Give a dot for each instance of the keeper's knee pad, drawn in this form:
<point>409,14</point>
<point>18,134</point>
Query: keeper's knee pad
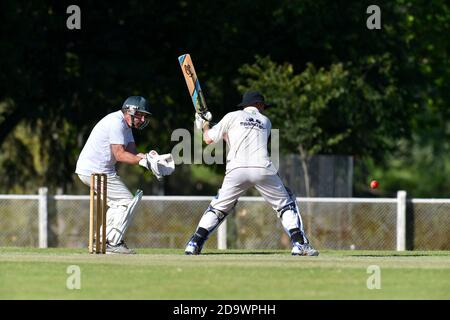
<point>135,201</point>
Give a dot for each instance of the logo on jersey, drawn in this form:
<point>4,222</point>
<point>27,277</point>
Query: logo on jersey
<point>251,123</point>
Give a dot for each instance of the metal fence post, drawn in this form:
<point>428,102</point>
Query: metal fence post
<point>43,217</point>
<point>401,220</point>
<point>222,236</point>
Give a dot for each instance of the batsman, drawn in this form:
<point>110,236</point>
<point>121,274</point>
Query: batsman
<point>246,133</point>
<point>112,141</point>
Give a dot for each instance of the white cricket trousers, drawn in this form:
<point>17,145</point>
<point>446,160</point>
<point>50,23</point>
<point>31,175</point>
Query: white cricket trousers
<point>238,180</point>
<point>118,215</point>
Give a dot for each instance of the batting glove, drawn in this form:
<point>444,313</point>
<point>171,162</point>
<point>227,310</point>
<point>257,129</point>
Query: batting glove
<point>200,123</point>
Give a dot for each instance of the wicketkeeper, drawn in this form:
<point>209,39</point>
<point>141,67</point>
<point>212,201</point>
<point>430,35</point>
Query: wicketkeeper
<point>112,141</point>
<point>248,165</point>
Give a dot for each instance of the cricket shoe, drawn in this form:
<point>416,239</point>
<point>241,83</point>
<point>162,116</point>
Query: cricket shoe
<point>192,248</point>
<point>120,248</point>
<point>303,250</point>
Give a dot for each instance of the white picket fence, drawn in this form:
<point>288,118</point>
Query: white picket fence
<point>198,203</point>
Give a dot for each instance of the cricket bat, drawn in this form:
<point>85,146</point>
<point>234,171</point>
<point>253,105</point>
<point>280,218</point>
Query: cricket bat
<point>195,91</point>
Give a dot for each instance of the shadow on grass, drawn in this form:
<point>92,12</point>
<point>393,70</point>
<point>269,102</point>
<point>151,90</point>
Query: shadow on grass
<point>391,255</point>
<point>241,253</point>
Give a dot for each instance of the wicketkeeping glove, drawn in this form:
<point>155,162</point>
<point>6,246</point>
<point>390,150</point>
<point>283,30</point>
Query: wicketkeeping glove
<point>160,165</point>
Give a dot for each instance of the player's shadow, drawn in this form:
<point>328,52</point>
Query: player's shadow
<point>389,255</point>
<point>240,253</point>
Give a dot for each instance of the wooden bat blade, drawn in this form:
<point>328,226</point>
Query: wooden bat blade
<point>195,91</point>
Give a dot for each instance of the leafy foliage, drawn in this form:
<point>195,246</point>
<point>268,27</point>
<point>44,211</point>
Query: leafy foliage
<point>356,91</point>
<point>334,110</point>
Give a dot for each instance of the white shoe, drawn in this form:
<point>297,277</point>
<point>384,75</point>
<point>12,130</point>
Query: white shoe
<point>303,250</point>
<point>192,248</point>
<point>120,248</point>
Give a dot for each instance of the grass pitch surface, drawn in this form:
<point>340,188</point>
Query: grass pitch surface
<point>166,274</point>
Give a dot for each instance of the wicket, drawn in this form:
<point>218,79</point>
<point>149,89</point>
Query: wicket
<point>98,196</point>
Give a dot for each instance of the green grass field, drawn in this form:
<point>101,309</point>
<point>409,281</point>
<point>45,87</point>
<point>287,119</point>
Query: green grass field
<point>29,273</point>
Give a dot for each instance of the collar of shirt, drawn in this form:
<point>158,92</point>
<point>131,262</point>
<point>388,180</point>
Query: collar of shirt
<point>250,109</point>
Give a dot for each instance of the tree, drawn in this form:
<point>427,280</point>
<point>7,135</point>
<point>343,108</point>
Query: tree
<point>56,83</point>
<point>343,109</point>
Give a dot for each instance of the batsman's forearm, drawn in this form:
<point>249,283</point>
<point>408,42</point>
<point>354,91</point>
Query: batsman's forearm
<point>206,137</point>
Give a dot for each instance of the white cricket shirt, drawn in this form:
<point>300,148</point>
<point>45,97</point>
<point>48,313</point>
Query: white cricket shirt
<point>246,133</point>
<point>97,156</point>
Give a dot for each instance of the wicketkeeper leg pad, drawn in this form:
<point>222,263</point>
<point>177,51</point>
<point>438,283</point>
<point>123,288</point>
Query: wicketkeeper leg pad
<point>116,229</point>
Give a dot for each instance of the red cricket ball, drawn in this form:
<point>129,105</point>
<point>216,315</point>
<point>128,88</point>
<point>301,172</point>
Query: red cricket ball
<point>374,184</point>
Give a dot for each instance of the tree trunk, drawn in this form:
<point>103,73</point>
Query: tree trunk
<point>304,158</point>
